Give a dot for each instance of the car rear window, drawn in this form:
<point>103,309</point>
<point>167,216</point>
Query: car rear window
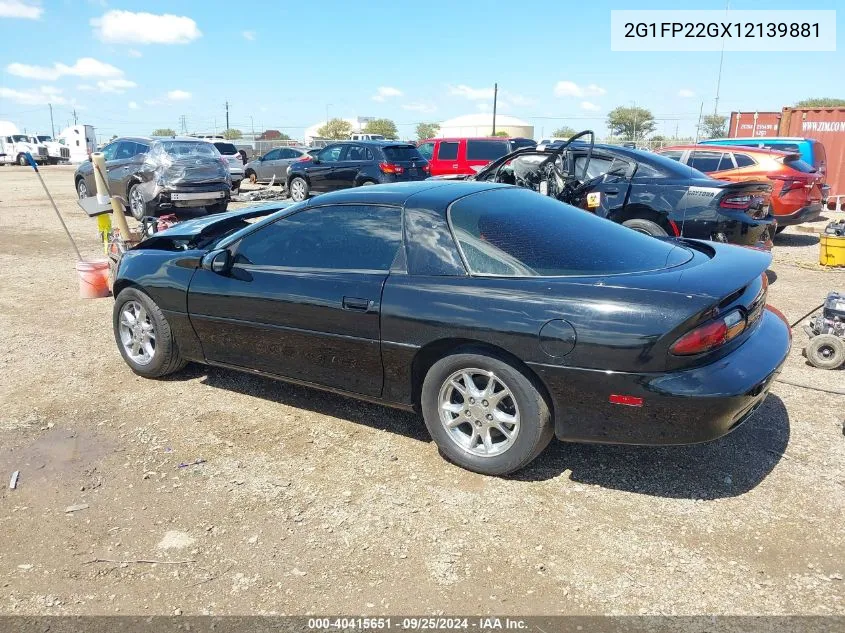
<point>744,160</point>
<point>486,150</point>
<point>226,148</point>
<point>401,153</point>
<point>513,232</point>
<point>187,148</point>
<point>782,147</point>
<point>796,163</point>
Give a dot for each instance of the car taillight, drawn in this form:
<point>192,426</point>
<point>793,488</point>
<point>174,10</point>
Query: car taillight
<point>710,335</point>
<point>790,183</point>
<point>391,168</point>
<point>305,159</point>
<point>426,168</point>
<point>736,201</point>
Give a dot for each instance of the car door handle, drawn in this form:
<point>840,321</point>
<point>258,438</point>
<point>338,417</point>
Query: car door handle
<point>455,166</point>
<point>611,192</point>
<point>357,304</point>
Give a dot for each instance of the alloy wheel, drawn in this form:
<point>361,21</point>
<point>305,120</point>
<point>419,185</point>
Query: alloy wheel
<point>297,190</point>
<point>137,333</point>
<point>82,189</point>
<point>479,412</point>
<point>136,203</point>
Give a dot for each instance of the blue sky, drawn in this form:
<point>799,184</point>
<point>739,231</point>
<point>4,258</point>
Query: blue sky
<point>279,65</point>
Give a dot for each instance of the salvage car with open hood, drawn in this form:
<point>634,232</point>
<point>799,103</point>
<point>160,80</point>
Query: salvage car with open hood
<point>641,190</point>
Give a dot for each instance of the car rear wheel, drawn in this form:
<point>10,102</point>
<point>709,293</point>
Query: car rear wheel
<point>143,335</point>
<point>484,414</point>
<point>646,226</point>
<point>368,182</point>
<point>298,189</point>
<point>81,189</point>
<point>253,177</point>
<point>137,204</point>
<point>826,351</point>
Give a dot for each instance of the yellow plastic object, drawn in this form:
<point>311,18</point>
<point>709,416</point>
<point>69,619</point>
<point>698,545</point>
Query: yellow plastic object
<point>832,250</point>
<point>104,229</point>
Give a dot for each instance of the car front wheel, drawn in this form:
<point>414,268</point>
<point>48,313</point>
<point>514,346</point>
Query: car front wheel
<point>137,204</point>
<point>82,189</point>
<point>298,189</point>
<point>484,414</point>
<point>143,335</point>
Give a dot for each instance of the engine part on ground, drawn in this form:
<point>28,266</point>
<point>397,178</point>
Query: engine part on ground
<point>826,349</point>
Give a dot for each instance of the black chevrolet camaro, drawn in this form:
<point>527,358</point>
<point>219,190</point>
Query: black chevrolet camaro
<point>503,316</point>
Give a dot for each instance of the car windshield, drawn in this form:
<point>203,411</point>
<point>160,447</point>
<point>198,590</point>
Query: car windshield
<point>44,139</point>
<point>20,138</point>
<point>513,232</point>
<point>188,148</point>
<point>226,148</point>
<point>401,152</point>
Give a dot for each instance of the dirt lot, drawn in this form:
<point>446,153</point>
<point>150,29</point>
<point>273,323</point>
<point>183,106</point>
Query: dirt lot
<point>312,503</point>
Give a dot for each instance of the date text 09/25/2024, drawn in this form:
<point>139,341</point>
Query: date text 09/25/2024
<point>431,623</point>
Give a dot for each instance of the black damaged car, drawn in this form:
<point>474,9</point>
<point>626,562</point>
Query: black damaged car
<point>504,317</point>
<point>641,190</point>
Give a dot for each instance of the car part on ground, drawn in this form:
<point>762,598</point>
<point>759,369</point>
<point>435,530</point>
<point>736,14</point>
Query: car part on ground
<point>353,164</point>
<point>651,193</point>
<point>796,186</point>
<point>826,348</point>
<point>501,315</point>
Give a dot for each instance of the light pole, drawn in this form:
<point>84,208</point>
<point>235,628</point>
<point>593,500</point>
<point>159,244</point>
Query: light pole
<point>327,111</point>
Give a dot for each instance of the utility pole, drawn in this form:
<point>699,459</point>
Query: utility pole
<point>183,123</point>
<point>52,125</point>
<point>721,59</point>
<point>495,98</point>
<point>252,125</point>
<point>635,121</point>
<point>227,115</point>
<point>75,122</point>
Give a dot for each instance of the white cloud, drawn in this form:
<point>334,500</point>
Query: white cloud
<point>468,92</point>
<point>249,35</point>
<point>425,108</point>
<point>592,107</point>
<point>519,100</point>
<point>84,67</point>
<point>686,93</point>
<point>178,95</point>
<point>19,9</point>
<point>484,107</point>
<point>133,52</point>
<point>116,85</point>
<point>133,105</point>
<point>46,94</point>
<point>571,89</point>
<point>386,92</point>
<point>145,28</point>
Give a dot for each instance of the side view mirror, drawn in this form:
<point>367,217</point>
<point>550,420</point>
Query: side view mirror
<point>219,261</point>
<point>315,160</point>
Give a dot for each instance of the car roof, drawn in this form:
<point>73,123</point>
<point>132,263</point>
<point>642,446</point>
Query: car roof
<point>136,139</point>
<point>761,139</point>
<point>368,141</point>
<point>743,148</point>
<point>452,139</point>
<point>438,193</point>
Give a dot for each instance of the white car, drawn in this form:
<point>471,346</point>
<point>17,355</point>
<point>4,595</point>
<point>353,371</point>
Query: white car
<point>233,157</point>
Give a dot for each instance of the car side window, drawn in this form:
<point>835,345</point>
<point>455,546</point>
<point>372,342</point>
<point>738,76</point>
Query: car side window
<point>744,160</point>
<point>273,154</point>
<point>109,151</point>
<point>426,150</point>
<point>707,161</point>
<point>340,237</point>
<point>125,149</point>
<point>368,154</point>
<point>330,154</point>
<point>673,154</point>
<point>356,152</point>
<point>447,151</point>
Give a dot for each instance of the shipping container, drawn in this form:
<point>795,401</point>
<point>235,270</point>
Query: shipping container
<point>826,125</point>
<point>754,124</point>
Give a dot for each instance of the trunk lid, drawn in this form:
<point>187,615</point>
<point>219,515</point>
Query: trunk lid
<point>193,170</point>
<point>405,163</point>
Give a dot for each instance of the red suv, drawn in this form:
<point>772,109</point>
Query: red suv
<point>462,156</point>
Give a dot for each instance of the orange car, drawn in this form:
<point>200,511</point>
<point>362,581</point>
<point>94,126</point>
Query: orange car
<point>796,185</point>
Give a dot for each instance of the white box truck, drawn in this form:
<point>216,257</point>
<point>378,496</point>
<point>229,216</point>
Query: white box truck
<point>80,140</point>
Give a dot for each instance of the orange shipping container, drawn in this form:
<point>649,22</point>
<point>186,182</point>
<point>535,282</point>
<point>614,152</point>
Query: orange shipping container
<point>754,124</point>
<point>826,125</point>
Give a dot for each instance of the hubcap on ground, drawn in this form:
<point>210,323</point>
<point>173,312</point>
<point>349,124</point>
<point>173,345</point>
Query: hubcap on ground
<point>137,333</point>
<point>479,412</point>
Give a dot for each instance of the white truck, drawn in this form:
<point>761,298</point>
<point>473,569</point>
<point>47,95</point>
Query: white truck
<point>80,140</point>
<point>14,147</point>
<point>56,150</point>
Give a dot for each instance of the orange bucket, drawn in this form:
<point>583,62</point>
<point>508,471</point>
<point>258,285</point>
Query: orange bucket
<point>93,278</point>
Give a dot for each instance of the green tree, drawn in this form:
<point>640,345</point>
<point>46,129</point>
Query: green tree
<point>630,123</point>
<point>335,129</point>
<point>427,130</point>
<point>820,102</point>
<point>164,131</point>
<point>714,126</point>
<point>385,127</point>
<point>502,133</point>
<point>563,132</point>
<point>232,134</point>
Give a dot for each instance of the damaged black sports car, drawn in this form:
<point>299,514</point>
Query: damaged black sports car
<point>641,190</point>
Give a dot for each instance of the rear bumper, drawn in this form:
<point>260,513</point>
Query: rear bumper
<point>199,196</point>
<point>810,213</point>
<point>732,228</point>
<point>684,407</point>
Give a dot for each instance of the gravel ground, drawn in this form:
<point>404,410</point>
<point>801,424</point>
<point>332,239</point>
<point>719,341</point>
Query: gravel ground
<point>312,503</point>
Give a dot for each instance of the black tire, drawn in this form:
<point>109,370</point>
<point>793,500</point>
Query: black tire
<point>138,207</point>
<point>780,229</point>
<point>366,183</point>
<point>826,351</point>
<point>165,358</point>
<point>646,226</point>
<point>535,425</point>
<point>298,189</point>
<point>82,189</point>
<point>22,160</point>
<point>236,186</point>
<point>220,207</point>
<point>251,176</point>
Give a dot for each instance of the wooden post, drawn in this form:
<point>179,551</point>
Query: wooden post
<point>103,196</point>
